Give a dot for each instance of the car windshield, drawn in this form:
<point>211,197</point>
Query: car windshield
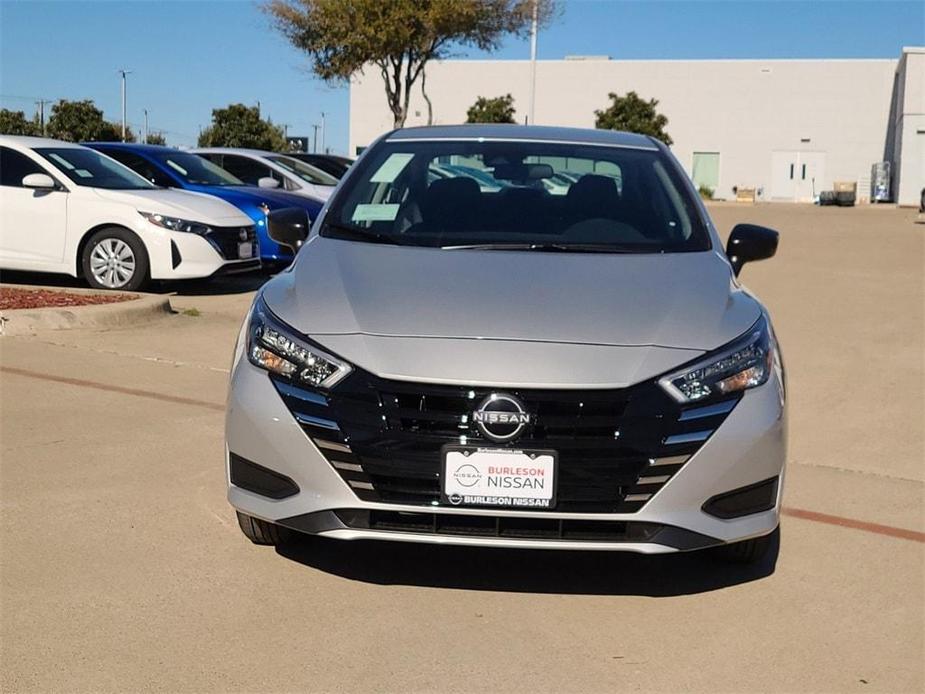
<point>197,170</point>
<point>518,195</point>
<point>306,172</point>
<point>85,167</point>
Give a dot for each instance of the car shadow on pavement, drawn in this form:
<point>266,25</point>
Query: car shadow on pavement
<point>524,570</point>
<point>208,286</point>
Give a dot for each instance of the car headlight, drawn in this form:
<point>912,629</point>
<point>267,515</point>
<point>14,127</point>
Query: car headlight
<point>274,346</point>
<point>175,223</point>
<point>744,363</point>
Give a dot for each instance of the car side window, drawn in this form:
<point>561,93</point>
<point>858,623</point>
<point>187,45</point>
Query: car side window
<point>248,170</point>
<point>15,166</point>
<point>141,166</point>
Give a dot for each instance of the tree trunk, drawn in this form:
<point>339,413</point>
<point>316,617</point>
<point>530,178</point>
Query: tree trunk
<point>430,106</point>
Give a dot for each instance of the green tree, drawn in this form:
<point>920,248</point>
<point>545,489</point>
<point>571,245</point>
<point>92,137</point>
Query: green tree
<point>156,138</point>
<point>238,125</point>
<point>16,123</point>
<point>499,109</point>
<point>633,114</point>
<point>398,37</point>
<point>82,121</point>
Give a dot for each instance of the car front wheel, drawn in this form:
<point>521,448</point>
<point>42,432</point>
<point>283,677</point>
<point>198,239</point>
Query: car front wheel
<point>115,258</point>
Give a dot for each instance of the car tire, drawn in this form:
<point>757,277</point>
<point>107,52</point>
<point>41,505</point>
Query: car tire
<point>115,258</point>
<point>748,551</point>
<point>261,532</point>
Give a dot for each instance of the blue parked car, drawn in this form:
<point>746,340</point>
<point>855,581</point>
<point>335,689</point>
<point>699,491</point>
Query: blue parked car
<point>173,168</point>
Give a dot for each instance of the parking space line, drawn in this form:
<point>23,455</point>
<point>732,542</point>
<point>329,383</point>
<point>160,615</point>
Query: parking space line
<point>813,516</point>
<point>114,389</point>
<point>888,530</point>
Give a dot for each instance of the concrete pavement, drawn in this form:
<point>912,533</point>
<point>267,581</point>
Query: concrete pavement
<point>123,569</point>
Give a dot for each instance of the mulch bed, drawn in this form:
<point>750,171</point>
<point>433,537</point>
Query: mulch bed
<point>13,298</point>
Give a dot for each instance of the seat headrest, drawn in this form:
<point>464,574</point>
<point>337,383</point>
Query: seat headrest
<point>593,195</point>
<point>450,201</point>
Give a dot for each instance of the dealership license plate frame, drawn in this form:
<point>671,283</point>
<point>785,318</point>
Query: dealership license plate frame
<point>515,454</point>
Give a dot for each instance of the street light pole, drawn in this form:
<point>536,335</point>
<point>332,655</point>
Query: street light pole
<point>123,73</point>
<point>41,104</point>
<point>322,133</point>
<point>146,126</point>
<point>533,64</point>
<point>315,138</point>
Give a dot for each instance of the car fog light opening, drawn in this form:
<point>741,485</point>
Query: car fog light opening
<point>272,347</point>
<point>745,363</point>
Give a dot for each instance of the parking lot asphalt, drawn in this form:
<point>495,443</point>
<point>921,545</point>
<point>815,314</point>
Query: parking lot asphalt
<point>123,569</point>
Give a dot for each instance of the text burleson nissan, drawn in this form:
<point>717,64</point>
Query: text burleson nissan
<point>547,347</point>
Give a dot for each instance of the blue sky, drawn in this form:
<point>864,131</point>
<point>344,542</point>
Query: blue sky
<point>190,56</point>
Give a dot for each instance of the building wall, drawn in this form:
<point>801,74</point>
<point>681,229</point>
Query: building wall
<point>909,127</point>
<point>747,110</point>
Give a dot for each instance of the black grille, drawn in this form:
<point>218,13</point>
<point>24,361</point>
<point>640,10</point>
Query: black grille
<point>616,448</point>
<point>226,240</point>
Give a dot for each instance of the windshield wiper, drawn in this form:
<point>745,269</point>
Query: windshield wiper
<point>351,233</point>
<point>543,247</point>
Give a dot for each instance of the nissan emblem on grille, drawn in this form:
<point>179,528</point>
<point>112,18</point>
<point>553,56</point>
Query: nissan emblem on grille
<point>501,417</point>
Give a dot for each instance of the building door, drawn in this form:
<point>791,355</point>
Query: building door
<point>705,170</point>
<point>797,176</point>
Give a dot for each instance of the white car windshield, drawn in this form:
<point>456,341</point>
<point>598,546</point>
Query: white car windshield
<point>85,167</point>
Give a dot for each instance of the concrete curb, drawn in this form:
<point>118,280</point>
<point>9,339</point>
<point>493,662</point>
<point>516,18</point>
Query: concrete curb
<point>32,321</point>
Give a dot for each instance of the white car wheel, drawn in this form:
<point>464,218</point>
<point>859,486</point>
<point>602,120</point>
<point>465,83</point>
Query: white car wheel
<point>115,259</point>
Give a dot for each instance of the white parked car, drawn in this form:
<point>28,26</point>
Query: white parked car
<point>272,170</point>
<point>69,209</point>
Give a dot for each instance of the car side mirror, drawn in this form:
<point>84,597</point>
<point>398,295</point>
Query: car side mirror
<point>38,181</point>
<point>289,227</point>
<point>267,182</point>
<point>750,242</point>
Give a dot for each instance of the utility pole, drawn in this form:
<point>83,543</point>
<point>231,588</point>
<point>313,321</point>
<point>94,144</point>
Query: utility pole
<point>41,104</point>
<point>323,151</point>
<point>315,138</point>
<point>123,73</point>
<point>146,126</point>
<point>533,63</point>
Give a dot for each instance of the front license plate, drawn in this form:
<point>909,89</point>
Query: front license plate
<point>498,477</point>
<point>245,250</point>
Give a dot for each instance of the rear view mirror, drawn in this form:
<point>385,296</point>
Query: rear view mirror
<point>750,242</point>
<point>267,182</point>
<point>38,181</point>
<point>289,227</point>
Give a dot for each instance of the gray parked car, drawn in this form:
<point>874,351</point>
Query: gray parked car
<point>449,363</point>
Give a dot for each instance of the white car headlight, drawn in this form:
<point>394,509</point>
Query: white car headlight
<point>175,223</point>
<point>744,363</point>
<point>274,346</point>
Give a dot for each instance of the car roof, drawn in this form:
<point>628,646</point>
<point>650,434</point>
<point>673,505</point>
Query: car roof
<point>31,142</point>
<point>533,133</point>
<point>134,147</point>
<point>235,150</point>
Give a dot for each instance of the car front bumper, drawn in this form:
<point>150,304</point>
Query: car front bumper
<point>749,447</point>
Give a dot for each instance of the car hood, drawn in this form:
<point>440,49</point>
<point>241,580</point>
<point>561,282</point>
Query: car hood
<point>256,196</point>
<point>582,319</point>
<point>197,207</point>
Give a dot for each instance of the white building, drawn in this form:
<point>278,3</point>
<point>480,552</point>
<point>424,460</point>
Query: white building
<point>790,128</point>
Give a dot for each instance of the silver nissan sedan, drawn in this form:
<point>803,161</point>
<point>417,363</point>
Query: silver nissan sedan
<point>513,337</point>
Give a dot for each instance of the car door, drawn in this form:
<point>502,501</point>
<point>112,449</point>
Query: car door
<point>33,223</point>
